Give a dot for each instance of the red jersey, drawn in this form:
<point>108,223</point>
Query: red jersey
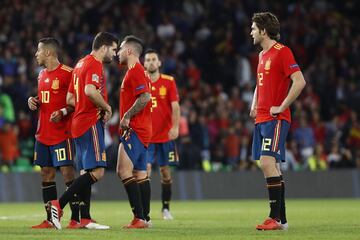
<point>135,83</point>
<point>163,93</point>
<point>87,71</point>
<point>273,80</point>
<point>52,90</point>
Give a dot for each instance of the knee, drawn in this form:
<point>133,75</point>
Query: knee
<point>48,174</point>
<point>165,173</point>
<point>98,173</point>
<point>68,173</point>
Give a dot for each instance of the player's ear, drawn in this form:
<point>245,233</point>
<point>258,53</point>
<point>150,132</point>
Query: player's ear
<point>128,51</point>
<point>159,63</point>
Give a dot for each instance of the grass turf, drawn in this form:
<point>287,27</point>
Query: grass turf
<point>308,219</point>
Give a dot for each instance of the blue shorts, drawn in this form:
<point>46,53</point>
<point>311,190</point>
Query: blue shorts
<point>135,149</point>
<point>164,154</point>
<point>269,139</point>
<point>90,148</point>
<point>57,155</point>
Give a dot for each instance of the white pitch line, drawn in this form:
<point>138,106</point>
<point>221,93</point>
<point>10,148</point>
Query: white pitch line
<point>20,217</point>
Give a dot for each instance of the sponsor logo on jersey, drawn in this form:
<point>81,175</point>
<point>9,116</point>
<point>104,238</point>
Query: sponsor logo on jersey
<point>95,78</point>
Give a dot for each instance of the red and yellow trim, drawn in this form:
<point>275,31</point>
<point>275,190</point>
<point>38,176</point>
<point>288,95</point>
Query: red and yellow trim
<point>96,143</point>
<point>276,137</point>
<point>68,147</point>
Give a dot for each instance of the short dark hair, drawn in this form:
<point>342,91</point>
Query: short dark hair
<point>136,42</point>
<point>268,22</point>
<point>151,50</point>
<point>51,42</point>
<point>104,38</point>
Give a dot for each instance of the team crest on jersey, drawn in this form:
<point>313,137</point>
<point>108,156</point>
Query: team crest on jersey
<point>55,84</point>
<point>267,64</point>
<point>95,78</point>
<point>162,91</point>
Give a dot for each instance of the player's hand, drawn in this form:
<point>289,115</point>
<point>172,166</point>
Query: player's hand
<point>275,111</point>
<point>173,133</point>
<point>125,123</point>
<point>107,114</point>
<point>253,113</point>
<point>33,103</point>
<point>56,116</point>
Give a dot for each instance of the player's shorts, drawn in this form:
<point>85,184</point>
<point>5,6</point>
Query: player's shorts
<point>164,154</point>
<point>90,148</point>
<point>269,139</point>
<point>57,155</point>
<point>135,149</point>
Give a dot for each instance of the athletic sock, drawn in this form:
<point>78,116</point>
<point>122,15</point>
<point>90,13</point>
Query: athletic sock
<point>133,192</point>
<point>85,197</point>
<point>166,193</point>
<point>48,193</point>
<point>145,192</point>
<point>274,188</point>
<point>282,206</point>
<point>74,204</point>
<point>79,183</point>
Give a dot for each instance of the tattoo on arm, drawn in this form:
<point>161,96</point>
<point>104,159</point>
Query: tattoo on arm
<point>139,104</point>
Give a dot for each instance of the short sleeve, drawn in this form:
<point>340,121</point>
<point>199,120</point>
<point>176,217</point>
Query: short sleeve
<point>173,96</point>
<point>139,81</point>
<point>289,64</point>
<point>94,74</point>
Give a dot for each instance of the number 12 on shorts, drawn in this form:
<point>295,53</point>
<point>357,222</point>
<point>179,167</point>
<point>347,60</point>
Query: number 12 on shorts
<point>266,143</point>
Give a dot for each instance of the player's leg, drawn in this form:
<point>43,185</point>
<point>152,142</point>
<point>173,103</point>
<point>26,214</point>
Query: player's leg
<point>62,157</point>
<point>124,170</point>
<point>85,197</point>
<point>90,149</point>
<point>150,158</point>
<point>167,154</point>
<point>282,142</point>
<point>268,134</point>
<point>144,183</point>
<point>48,184</point>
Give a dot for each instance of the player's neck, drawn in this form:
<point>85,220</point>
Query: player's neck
<point>154,76</point>
<point>132,60</point>
<point>266,44</point>
<point>52,64</point>
<point>96,55</point>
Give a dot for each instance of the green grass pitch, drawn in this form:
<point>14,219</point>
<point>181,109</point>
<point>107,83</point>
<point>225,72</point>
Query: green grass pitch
<point>308,219</point>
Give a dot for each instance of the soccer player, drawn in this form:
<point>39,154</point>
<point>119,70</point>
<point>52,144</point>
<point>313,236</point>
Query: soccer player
<point>53,146</point>
<point>89,94</point>
<point>270,108</point>
<point>165,125</point>
<point>135,131</point>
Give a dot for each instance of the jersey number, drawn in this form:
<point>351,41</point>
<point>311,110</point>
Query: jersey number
<point>266,142</point>
<point>153,103</point>
<point>60,154</point>
<point>171,156</point>
<point>76,88</point>
<point>45,96</point>
<point>260,78</point>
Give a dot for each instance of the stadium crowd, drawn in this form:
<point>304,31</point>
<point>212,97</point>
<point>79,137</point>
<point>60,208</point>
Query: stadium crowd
<point>207,47</point>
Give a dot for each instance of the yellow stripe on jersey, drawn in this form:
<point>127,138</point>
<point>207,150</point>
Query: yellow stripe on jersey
<point>66,68</point>
<point>167,77</point>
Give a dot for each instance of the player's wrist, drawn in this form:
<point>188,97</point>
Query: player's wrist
<point>64,111</point>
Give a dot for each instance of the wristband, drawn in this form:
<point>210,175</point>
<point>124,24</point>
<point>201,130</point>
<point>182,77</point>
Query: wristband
<point>64,111</point>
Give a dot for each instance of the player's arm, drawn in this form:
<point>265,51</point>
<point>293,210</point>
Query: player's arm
<point>33,103</point>
<point>298,83</point>
<point>254,105</point>
<point>138,105</point>
<point>96,98</point>
<point>175,116</point>
<point>70,99</point>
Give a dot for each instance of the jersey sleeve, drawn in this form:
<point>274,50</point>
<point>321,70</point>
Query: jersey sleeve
<point>139,82</point>
<point>173,96</point>
<point>288,62</point>
<point>93,75</point>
